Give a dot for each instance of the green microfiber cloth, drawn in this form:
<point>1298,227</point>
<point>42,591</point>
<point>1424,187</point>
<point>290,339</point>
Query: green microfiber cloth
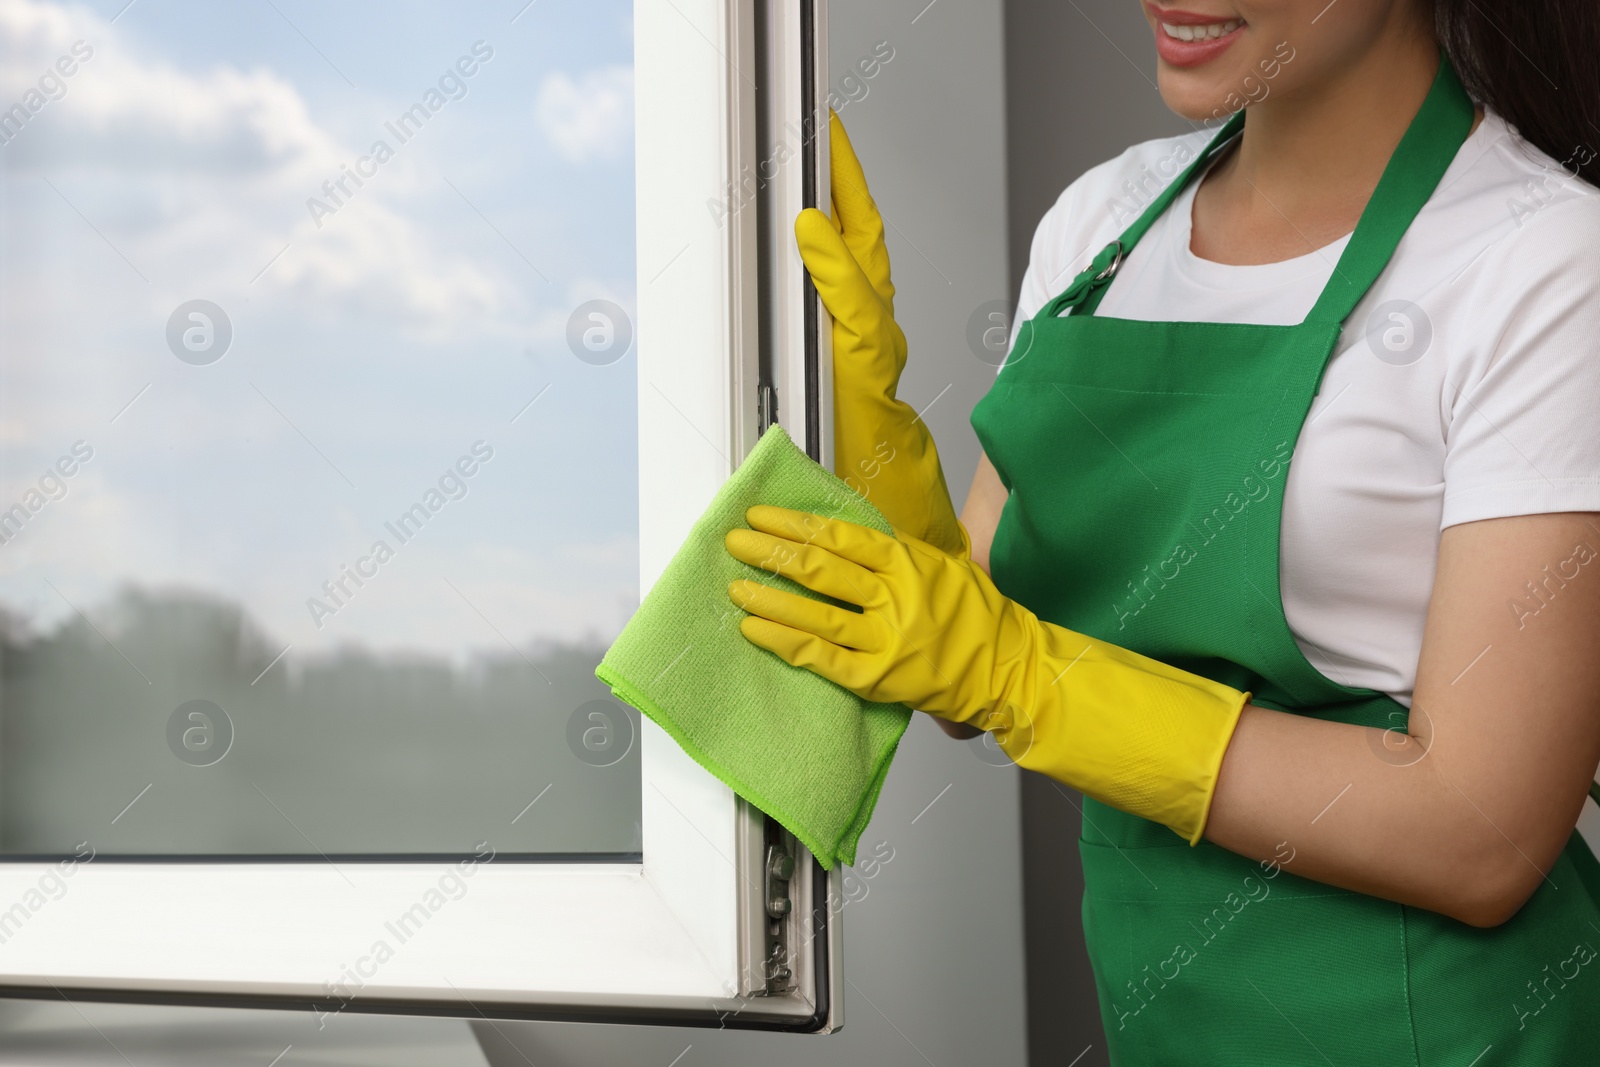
<point>809,753</point>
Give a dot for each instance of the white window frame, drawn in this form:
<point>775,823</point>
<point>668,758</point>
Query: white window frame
<point>678,937</point>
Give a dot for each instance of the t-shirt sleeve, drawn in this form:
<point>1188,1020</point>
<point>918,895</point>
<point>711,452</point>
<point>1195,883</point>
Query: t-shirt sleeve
<point>1523,434</point>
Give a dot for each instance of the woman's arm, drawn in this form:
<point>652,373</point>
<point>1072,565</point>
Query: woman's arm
<point>980,516</point>
<point>1465,815</point>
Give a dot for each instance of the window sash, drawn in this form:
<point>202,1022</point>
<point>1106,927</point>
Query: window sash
<point>674,938</point>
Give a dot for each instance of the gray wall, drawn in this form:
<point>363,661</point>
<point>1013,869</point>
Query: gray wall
<point>934,951</point>
<point>1080,88</point>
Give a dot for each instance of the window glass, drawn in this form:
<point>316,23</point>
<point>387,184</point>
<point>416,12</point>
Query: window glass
<point>318,459</point>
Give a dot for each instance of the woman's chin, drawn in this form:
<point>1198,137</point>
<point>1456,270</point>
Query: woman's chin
<point>1191,98</point>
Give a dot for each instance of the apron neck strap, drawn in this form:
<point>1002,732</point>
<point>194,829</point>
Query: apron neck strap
<point>1413,172</point>
<point>1088,287</point>
<point>1419,161</point>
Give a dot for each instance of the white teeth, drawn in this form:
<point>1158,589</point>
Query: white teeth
<point>1201,33</point>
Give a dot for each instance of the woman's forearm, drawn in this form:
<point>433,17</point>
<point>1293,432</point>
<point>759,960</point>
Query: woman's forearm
<point>1466,815</point>
<point>981,513</point>
<point>1368,810</point>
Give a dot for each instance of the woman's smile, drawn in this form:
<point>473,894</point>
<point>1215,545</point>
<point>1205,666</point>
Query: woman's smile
<point>1187,38</point>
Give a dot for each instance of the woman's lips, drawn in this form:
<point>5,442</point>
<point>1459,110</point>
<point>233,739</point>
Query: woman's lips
<point>1187,39</point>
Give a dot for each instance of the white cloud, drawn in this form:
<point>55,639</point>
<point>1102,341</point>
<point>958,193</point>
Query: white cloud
<point>587,119</point>
<point>205,173</point>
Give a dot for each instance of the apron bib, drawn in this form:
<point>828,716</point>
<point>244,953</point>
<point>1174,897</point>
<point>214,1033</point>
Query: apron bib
<point>1146,463</point>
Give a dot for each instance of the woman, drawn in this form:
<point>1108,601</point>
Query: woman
<point>1291,503</point>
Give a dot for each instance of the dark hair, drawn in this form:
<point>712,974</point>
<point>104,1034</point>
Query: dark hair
<point>1535,63</point>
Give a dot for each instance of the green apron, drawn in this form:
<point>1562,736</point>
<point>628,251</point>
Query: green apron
<point>1146,463</point>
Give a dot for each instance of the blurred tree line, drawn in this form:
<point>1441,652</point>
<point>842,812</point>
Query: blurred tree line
<point>351,753</point>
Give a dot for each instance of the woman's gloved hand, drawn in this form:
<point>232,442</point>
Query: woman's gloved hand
<point>933,632</point>
<point>881,447</point>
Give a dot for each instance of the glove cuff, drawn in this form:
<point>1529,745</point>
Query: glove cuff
<point>1129,731</point>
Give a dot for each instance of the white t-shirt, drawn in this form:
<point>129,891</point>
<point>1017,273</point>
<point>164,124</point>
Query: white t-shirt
<point>1486,404</point>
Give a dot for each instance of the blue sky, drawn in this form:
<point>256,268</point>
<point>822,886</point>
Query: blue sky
<point>368,354</point>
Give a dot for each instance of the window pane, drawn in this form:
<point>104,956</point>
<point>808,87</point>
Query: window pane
<point>317,427</point>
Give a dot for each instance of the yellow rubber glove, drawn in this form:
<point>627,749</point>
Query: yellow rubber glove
<point>881,446</point>
<point>933,632</point>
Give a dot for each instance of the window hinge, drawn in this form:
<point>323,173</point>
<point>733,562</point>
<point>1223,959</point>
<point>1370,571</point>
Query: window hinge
<point>767,407</point>
<point>779,869</point>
